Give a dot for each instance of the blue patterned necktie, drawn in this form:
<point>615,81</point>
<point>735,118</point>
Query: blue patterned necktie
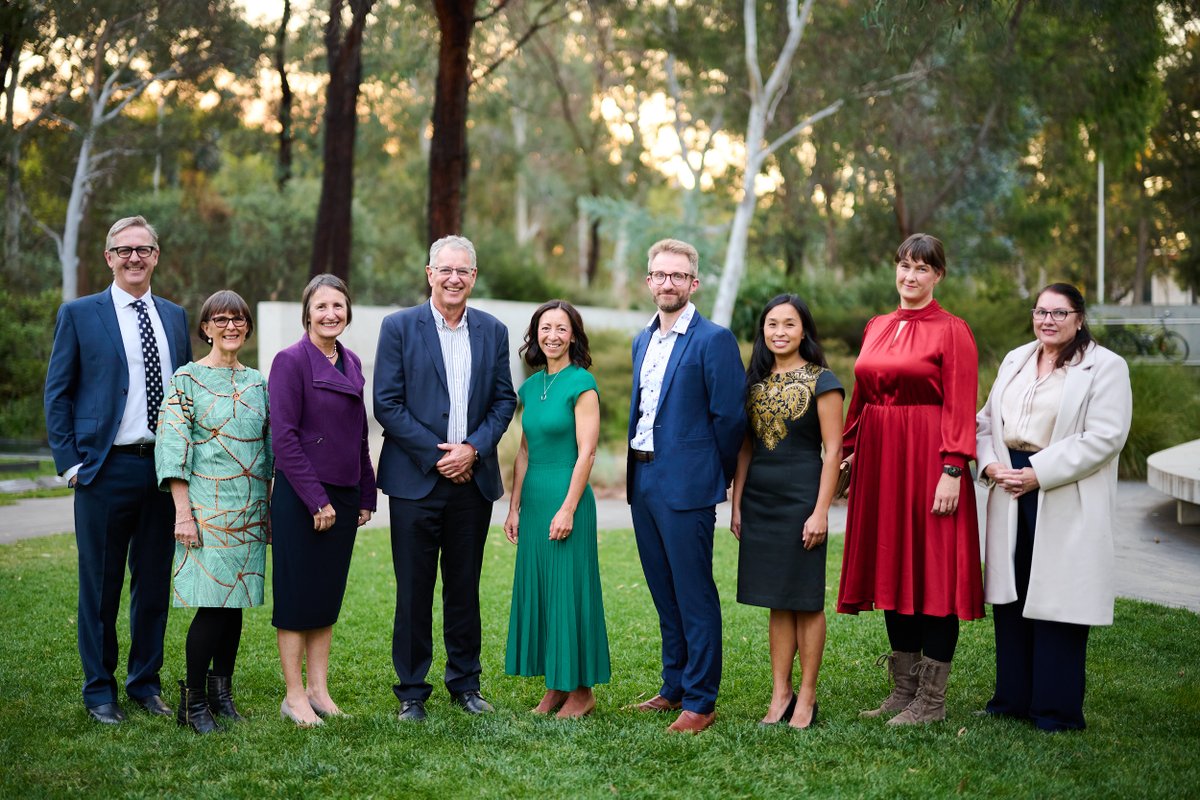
<point>154,387</point>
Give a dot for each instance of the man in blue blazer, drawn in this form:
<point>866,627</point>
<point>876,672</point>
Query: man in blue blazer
<point>686,422</point>
<point>444,395</point>
<point>113,354</point>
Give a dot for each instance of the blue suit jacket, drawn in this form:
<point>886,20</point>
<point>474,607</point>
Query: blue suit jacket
<point>412,400</point>
<point>87,379</point>
<point>701,414</point>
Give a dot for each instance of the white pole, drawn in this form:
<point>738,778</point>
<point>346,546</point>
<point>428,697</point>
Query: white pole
<point>1100,232</point>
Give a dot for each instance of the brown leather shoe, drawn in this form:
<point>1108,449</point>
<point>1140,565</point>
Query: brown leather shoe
<point>659,703</point>
<point>691,722</point>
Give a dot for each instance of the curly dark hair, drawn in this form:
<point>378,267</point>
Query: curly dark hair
<point>578,352</point>
<point>762,360</point>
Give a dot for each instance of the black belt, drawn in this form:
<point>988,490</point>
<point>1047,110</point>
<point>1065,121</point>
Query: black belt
<point>143,450</point>
<point>645,456</point>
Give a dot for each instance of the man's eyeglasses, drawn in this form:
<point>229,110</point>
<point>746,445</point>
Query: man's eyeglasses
<point>1058,314</point>
<point>677,278</point>
<point>225,322</point>
<point>143,251</point>
<point>446,272</point>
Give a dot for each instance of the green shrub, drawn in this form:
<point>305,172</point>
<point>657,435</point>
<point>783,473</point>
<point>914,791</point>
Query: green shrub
<point>26,337</point>
<point>1166,412</point>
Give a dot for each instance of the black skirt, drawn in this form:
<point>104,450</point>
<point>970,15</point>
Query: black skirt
<point>309,569</point>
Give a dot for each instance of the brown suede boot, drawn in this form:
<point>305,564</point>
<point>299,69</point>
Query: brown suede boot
<point>930,703</point>
<point>904,682</point>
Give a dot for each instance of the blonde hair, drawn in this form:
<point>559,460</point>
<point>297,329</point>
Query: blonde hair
<point>130,222</point>
<point>679,248</point>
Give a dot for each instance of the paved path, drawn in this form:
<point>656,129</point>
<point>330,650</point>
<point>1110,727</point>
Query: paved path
<point>1157,559</point>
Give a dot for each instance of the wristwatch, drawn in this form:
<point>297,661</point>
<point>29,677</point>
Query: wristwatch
<point>952,471</point>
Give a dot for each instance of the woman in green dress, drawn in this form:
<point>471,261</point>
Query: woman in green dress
<point>214,455</point>
<point>556,626</point>
<point>781,494</point>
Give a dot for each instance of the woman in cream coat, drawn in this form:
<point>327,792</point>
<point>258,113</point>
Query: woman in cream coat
<point>1048,440</point>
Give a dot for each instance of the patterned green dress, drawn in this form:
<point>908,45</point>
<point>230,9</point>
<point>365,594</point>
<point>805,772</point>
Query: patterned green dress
<point>213,432</point>
<point>556,625</point>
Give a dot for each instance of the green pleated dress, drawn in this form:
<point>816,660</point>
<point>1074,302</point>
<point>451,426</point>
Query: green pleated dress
<point>556,625</point>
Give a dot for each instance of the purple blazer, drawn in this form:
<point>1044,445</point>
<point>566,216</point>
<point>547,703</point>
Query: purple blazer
<point>319,424</point>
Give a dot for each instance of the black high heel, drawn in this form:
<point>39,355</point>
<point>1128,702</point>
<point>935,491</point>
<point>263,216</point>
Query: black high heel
<point>787,714</point>
<point>813,720</point>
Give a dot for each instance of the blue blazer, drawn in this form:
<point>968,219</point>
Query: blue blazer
<point>87,379</point>
<point>701,414</point>
<point>412,400</point>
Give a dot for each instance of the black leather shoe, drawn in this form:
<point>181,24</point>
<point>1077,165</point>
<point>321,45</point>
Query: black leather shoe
<point>107,713</point>
<point>412,711</point>
<point>472,702</point>
<point>154,704</point>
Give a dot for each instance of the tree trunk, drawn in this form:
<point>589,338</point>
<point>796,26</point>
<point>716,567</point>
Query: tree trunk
<point>283,168</point>
<point>68,246</point>
<point>448,155</point>
<point>334,226</point>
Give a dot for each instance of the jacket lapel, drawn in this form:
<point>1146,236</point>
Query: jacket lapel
<point>1004,376</point>
<point>1074,394</point>
<point>106,310</point>
<point>327,376</point>
<point>428,332</point>
<point>681,345</point>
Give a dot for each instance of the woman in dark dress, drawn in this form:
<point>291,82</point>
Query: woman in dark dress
<point>324,491</point>
<point>781,495</point>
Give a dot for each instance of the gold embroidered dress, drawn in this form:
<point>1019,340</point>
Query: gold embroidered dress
<point>774,569</point>
<point>213,433</point>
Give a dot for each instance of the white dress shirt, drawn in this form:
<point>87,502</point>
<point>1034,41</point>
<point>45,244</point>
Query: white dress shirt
<point>456,355</point>
<point>1030,406</point>
<point>654,368</point>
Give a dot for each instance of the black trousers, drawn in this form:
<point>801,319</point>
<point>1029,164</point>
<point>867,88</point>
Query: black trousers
<point>1040,665</point>
<point>120,517</point>
<point>450,522</point>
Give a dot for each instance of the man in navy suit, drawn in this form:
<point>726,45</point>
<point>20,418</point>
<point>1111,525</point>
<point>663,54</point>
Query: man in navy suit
<point>113,354</point>
<point>444,395</point>
<point>686,422</point>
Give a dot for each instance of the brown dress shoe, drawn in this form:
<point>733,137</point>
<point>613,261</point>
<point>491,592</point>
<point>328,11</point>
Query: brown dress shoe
<point>691,722</point>
<point>659,703</point>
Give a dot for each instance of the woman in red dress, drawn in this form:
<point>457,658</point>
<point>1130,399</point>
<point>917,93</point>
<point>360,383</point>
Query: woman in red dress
<point>912,537</point>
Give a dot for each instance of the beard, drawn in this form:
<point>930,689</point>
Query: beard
<point>671,303</point>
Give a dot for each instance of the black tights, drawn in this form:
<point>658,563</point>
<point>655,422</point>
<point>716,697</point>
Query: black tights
<point>213,638</point>
<point>936,637</point>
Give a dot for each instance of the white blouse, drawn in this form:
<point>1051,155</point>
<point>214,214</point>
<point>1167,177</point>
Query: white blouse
<point>1030,406</point>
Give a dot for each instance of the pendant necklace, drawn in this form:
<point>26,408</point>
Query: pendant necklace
<point>546,388</point>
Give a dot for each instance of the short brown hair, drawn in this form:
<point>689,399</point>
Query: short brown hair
<point>333,282</point>
<point>675,246</point>
<point>227,301</point>
<point>130,222</point>
<point>924,248</point>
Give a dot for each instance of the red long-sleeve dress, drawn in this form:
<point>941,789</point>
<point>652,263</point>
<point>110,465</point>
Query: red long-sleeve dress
<point>912,411</point>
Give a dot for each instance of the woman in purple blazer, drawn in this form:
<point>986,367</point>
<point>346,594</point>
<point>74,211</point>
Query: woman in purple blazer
<point>324,491</point>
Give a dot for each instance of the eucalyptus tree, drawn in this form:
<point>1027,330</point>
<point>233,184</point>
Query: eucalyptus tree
<point>104,56</point>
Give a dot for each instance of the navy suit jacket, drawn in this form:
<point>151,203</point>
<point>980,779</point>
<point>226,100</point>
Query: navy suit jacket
<point>701,414</point>
<point>87,379</point>
<point>412,400</point>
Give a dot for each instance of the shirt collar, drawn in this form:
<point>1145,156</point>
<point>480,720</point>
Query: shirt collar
<point>681,325</point>
<point>441,321</point>
<point>123,299</point>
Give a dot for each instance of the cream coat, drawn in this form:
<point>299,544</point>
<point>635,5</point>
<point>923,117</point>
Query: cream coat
<point>1071,579</point>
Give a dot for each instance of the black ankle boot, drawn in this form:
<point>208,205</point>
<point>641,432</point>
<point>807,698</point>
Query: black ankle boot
<point>193,710</point>
<point>220,697</point>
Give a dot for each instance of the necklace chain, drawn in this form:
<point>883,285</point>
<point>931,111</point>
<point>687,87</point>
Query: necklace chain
<point>545,387</point>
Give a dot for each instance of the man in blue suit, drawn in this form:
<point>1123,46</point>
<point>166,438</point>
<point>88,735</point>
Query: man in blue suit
<point>113,354</point>
<point>686,422</point>
<point>444,395</point>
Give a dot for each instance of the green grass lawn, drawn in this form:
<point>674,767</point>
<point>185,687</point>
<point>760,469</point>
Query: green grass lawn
<point>1143,709</point>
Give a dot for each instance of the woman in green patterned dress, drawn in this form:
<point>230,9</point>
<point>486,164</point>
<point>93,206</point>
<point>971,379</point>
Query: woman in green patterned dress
<point>214,455</point>
<point>556,626</point>
<point>781,494</point>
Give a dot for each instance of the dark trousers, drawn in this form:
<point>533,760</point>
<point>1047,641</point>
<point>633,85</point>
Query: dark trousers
<point>452,520</point>
<point>1040,665</point>
<point>121,516</point>
<point>676,550</point>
